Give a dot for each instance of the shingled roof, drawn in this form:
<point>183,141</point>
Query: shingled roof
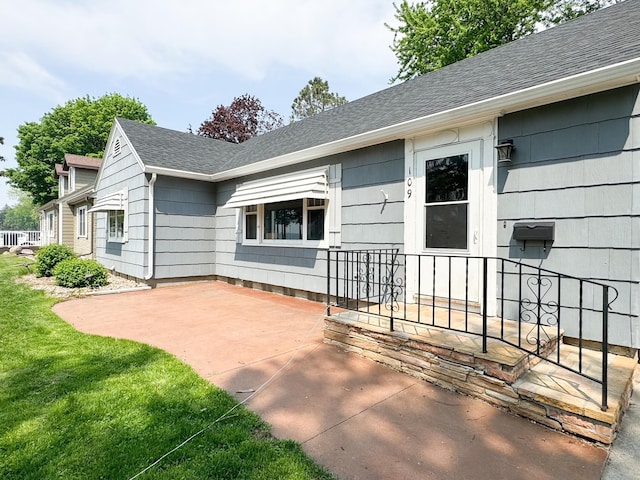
<point>81,161</point>
<point>602,39</point>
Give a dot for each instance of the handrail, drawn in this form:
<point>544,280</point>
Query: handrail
<point>15,238</point>
<point>541,303</point>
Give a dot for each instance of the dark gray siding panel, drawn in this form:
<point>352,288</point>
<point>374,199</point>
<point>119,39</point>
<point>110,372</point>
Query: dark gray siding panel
<point>577,164</point>
<point>368,221</point>
<point>185,228</point>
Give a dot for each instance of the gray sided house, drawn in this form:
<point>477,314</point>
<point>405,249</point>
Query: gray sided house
<point>413,168</point>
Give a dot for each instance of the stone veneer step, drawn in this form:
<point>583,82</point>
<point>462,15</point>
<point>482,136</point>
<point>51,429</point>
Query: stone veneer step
<point>504,376</point>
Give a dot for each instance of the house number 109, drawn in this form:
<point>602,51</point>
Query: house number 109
<point>409,183</point>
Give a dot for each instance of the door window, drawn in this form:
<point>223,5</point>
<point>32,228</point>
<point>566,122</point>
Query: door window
<point>447,202</point>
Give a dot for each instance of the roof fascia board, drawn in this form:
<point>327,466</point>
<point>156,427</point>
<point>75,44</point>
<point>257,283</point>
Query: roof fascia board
<point>605,78</point>
<point>170,172</point>
<point>78,194</point>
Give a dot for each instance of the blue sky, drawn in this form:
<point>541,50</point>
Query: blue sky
<point>182,58</point>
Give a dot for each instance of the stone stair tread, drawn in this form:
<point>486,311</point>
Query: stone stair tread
<point>533,388</point>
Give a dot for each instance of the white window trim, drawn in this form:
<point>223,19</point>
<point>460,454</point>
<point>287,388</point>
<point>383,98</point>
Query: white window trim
<point>113,202</point>
<point>332,208</point>
<point>72,179</point>
<point>260,240</point>
<point>51,224</point>
<point>125,222</point>
<point>83,210</point>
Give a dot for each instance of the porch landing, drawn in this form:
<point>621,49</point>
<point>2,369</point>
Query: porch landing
<point>504,376</point>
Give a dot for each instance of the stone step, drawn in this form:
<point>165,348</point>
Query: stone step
<point>504,376</point>
<point>443,302</point>
<point>572,402</point>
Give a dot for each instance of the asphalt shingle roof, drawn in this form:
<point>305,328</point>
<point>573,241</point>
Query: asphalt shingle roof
<point>606,37</point>
<point>82,161</point>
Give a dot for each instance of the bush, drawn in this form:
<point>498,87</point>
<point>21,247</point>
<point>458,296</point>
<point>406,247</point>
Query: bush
<point>48,257</point>
<point>75,273</point>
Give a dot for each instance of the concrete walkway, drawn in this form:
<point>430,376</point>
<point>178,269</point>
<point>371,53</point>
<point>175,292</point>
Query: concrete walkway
<point>357,418</point>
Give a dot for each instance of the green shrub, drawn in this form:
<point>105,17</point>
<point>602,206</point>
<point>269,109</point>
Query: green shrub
<point>48,257</point>
<point>75,273</point>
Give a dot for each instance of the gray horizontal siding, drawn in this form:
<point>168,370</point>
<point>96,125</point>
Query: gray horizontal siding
<point>367,221</point>
<point>130,257</point>
<point>185,242</point>
<point>576,164</point>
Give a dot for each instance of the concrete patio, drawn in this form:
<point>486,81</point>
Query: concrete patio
<point>359,419</point>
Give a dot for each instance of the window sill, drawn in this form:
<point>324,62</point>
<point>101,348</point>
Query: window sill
<point>288,244</point>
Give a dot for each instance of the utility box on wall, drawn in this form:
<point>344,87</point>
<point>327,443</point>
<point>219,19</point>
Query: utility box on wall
<point>534,231</point>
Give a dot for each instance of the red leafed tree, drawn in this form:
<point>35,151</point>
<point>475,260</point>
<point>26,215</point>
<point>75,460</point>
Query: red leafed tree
<point>243,119</point>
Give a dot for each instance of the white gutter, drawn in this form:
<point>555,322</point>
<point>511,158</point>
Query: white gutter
<point>150,252</point>
<point>170,172</point>
<point>613,76</point>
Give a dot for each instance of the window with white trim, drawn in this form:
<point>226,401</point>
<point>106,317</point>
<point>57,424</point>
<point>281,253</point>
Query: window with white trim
<point>51,224</point>
<point>297,209</point>
<point>116,220</point>
<point>82,221</point>
<point>301,221</point>
<point>116,206</point>
<point>447,202</point>
<point>72,179</point>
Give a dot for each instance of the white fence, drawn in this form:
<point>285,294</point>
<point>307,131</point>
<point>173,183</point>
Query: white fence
<point>21,238</point>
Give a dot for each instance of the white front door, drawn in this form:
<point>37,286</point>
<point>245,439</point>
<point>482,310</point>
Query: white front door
<point>448,223</point>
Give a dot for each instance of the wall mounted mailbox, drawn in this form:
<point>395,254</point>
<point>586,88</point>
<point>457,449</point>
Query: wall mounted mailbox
<point>536,231</point>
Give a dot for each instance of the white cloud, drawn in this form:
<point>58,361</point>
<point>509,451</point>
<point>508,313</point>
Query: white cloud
<point>21,71</point>
<point>148,38</point>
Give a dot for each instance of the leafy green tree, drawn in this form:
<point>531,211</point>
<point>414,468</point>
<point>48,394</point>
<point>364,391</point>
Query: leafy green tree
<point>1,143</point>
<point>3,211</point>
<point>80,126</point>
<point>22,216</point>
<point>562,10</point>
<point>441,32</point>
<point>246,117</point>
<point>314,98</point>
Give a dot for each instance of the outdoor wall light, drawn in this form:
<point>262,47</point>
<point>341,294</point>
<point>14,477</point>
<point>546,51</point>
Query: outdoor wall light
<point>505,150</point>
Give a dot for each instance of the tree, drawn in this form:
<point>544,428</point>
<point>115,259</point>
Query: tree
<point>438,33</point>
<point>243,119</point>
<point>80,126</point>
<point>314,98</point>
<point>22,216</point>
<point>1,143</point>
<point>563,10</point>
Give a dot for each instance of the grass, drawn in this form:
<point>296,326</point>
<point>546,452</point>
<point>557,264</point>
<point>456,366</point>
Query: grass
<point>80,406</point>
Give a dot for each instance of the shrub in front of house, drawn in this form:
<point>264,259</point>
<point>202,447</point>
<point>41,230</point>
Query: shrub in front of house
<point>76,273</point>
<point>50,256</point>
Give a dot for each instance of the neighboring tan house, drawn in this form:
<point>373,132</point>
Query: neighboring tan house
<point>413,168</point>
<point>66,220</point>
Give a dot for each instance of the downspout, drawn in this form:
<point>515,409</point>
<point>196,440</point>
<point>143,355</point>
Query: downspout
<point>151,223</point>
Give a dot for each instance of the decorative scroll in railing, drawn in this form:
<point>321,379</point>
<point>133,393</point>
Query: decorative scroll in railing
<point>19,238</point>
<point>524,306</point>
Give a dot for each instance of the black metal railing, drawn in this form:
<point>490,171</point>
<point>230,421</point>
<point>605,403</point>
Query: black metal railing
<point>524,306</point>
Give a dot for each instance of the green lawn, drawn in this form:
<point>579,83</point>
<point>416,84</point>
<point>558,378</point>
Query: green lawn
<point>80,406</point>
